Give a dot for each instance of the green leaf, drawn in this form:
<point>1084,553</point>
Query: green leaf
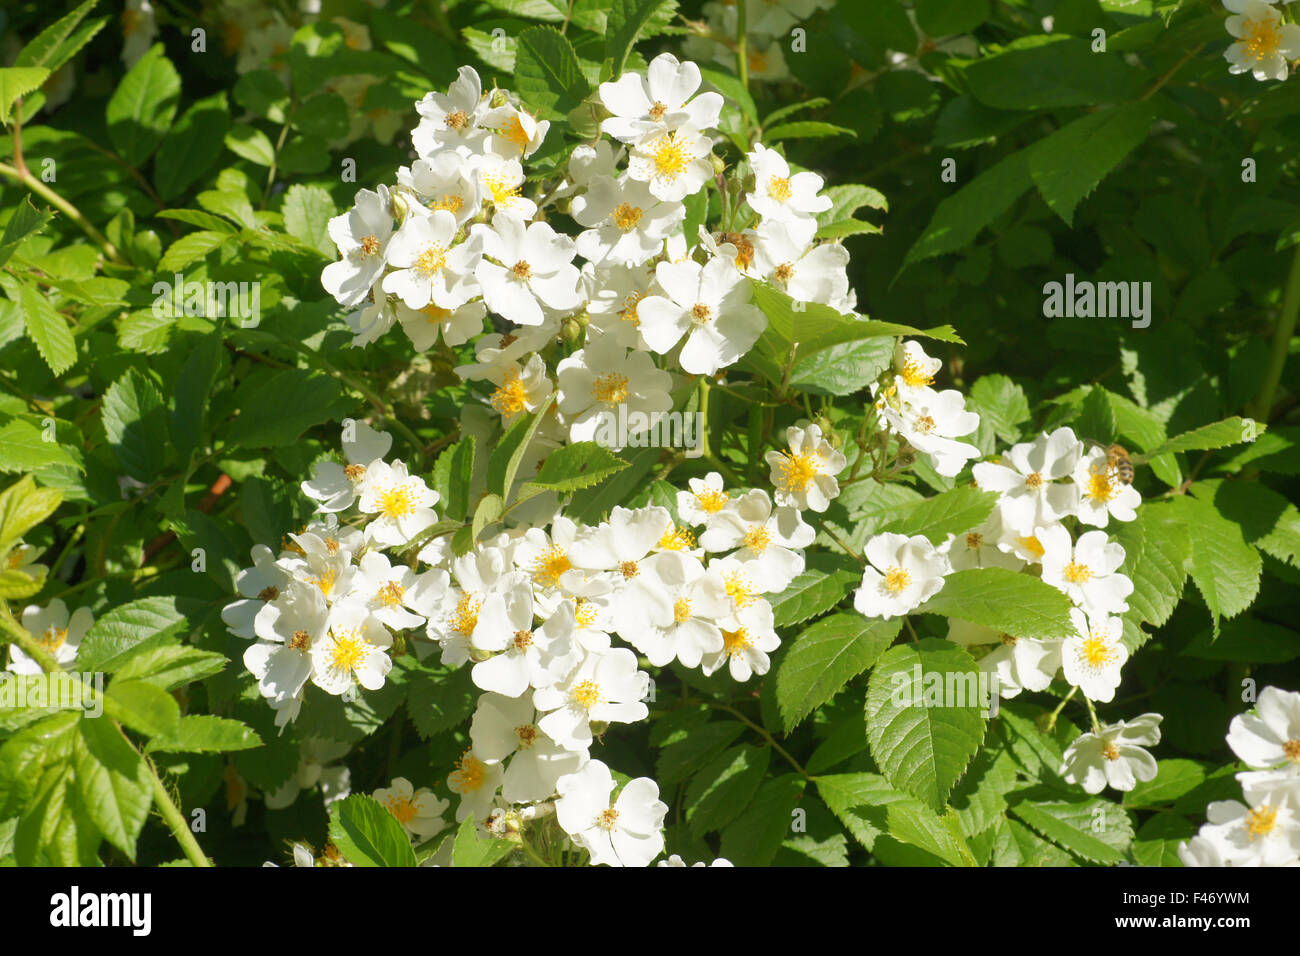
<point>1224,567</point>
<point>816,103</point>
<point>806,129</point>
<point>1068,165</point>
<point>1174,778</point>
<point>624,23</point>
<point>189,150</point>
<point>1049,71</point>
<point>250,143</point>
<point>1229,431</point>
<point>23,448</point>
<point>17,82</point>
<point>48,329</point>
<point>812,592</point>
<point>204,733</point>
<point>719,792</point>
<point>548,76</point>
<point>368,835</point>
<point>682,758</point>
<point>754,837</point>
<point>278,407</point>
<point>1157,549</point>
<point>25,222</point>
<point>1096,419</point>
<point>951,512</point>
<point>307,212</point>
<point>142,107</point>
<point>731,88</point>
<point>1006,601</point>
<point>460,476</point>
<point>61,41</point>
<point>941,18</point>
<point>959,219</point>
<point>191,394</point>
<point>263,93</point>
<point>870,807</point>
<point>171,665</point>
<point>844,368</point>
<point>505,459</point>
<point>1094,829</point>
<point>22,507</point>
<point>192,246</point>
<point>1001,404</point>
<point>489,511</point>
<point>575,466</point>
<point>135,422</point>
<point>130,628</point>
<point>925,730</point>
<point>473,849</point>
<point>591,504</point>
<point>143,707</point>
<point>825,657</point>
<point>113,783</point>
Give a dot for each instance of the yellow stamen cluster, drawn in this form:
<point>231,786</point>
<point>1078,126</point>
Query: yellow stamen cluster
<point>610,388</point>
<point>677,539</point>
<point>1260,823</point>
<point>1077,573</point>
<point>681,610</point>
<point>897,580</point>
<point>914,374</point>
<point>511,397</point>
<point>391,594</point>
<point>469,775</point>
<point>396,502</point>
<point>758,538</point>
<point>431,261</point>
<point>585,694</point>
<point>779,188</point>
<point>465,618</point>
<point>671,156</point>
<point>626,216</point>
<point>796,472</point>
<point>1097,651</point>
<point>551,565</point>
<point>349,651</point>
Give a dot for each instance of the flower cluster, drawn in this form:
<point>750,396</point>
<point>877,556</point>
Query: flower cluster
<point>1265,830</point>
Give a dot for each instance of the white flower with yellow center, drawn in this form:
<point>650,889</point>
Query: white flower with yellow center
<point>603,384</point>
<point>526,270</point>
<point>334,485</point>
<point>362,235</point>
<point>448,181</point>
<point>1270,736</point>
<point>1087,571</point>
<point>524,655</point>
<point>455,326</point>
<point>786,255</point>
<point>981,547</point>
<point>931,422</point>
<point>622,831</point>
<point>803,477</point>
<point>1264,835</point>
<point>1116,757</point>
<point>373,320</point>
<point>706,498</point>
<point>429,268</point>
<point>287,630</point>
<point>505,728</point>
<point>320,562</point>
<point>516,134</point>
<point>708,306</point>
<point>453,119</point>
<point>395,594</point>
<point>1264,41</point>
<point>401,503</point>
<point>625,223</point>
<point>354,651</point>
<point>914,370</point>
<point>22,558</point>
<point>662,101</point>
<point>748,637</point>
<point>902,574</point>
<point>670,611</point>
<point>58,634</point>
<point>418,811</point>
<point>740,249</point>
<point>497,352</point>
<point>1102,495</point>
<point>1091,658</point>
<point>622,542</point>
<point>547,559</point>
<point>782,196</point>
<point>476,781</point>
<point>257,586</point>
<point>604,687</point>
<point>1016,663</point>
<point>768,541</point>
<point>673,163</point>
<point>614,294</point>
<point>1029,481</point>
<point>501,183</point>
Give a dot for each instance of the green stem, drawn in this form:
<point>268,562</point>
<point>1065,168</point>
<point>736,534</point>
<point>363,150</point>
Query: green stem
<point>844,544</point>
<point>175,821</point>
<point>742,44</point>
<point>65,207</point>
<point>1281,347</point>
<point>18,635</point>
<point>762,732</point>
<point>1051,721</point>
